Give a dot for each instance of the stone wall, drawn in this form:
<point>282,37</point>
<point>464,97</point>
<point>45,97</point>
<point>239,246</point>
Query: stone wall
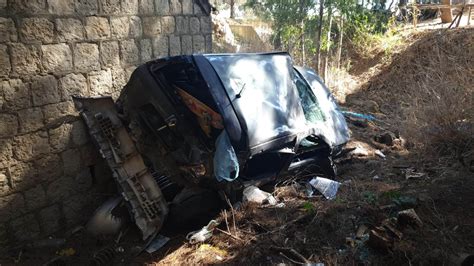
<point>51,176</point>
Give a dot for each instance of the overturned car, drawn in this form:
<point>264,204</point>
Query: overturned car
<point>187,127</point>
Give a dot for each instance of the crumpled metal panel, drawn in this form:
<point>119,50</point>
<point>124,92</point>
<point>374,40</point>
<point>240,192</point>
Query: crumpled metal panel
<point>139,189</point>
<point>261,89</point>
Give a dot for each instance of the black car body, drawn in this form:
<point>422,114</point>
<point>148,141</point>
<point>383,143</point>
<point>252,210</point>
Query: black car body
<point>208,120</point>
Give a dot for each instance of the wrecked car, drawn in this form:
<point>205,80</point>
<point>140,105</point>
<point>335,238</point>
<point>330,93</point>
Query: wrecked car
<point>187,127</point>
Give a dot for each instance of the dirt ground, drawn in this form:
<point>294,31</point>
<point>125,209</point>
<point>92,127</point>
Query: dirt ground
<point>315,230</point>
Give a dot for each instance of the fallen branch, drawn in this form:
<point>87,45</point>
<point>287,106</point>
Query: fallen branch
<point>292,252</point>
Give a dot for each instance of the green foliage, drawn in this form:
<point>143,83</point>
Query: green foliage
<point>309,207</point>
<point>294,19</point>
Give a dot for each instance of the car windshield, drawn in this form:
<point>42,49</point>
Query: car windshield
<point>309,102</point>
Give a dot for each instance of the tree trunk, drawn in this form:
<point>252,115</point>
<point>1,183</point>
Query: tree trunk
<point>303,53</point>
<point>232,11</point>
<point>329,44</point>
<point>318,36</point>
<point>341,33</point>
<point>446,13</point>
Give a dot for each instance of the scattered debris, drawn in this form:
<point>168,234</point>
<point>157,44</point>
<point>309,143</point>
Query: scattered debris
<point>412,173</point>
<point>361,231</point>
<point>327,187</point>
<point>358,115</point>
<point>409,217</point>
<point>203,234</point>
<point>360,151</point>
<point>157,243</point>
<point>380,154</point>
<point>66,252</point>
<point>104,220</point>
<point>254,194</point>
<point>386,138</point>
<point>376,177</point>
<point>383,237</point>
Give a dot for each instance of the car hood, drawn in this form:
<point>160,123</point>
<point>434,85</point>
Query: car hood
<point>261,90</point>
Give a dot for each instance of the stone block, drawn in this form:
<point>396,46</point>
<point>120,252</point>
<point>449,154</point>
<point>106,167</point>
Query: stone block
<point>197,9</point>
<point>22,174</point>
<point>151,26</point>
<point>7,30</point>
<point>25,60</point>
<point>50,219</point>
<point>12,205</point>
<point>187,44</point>
<point>61,7</point>
<point>129,6</point>
<point>167,24</point>
<point>60,189</point>
<point>3,4</point>
<point>44,90</point>
<point>30,146</point>
<point>87,7</point>
<point>5,66</point>
<point>100,82</point>
<point>199,45</point>
<point>162,7</point>
<point>5,187</point>
<point>182,25</point>
<point>135,30</point>
<point>80,135</point>
<point>37,30</point>
<point>206,24</point>
<point>86,57</point>
<point>187,7</point>
<point>56,112</point>
<point>6,152</point>
<point>30,7</point>
<point>120,27</point>
<point>160,46</point>
<point>109,53</point>
<point>9,125</point>
<point>35,198</point>
<point>16,94</point>
<point>146,50</point>
<point>69,29</point>
<point>73,84</point>
<point>129,52</point>
<point>25,228</point>
<point>60,137</point>
<point>48,167</point>
<point>77,209</point>
<point>175,45</point>
<point>118,78</point>
<point>30,119</point>
<point>194,25</point>
<point>175,7</point>
<point>208,43</point>
<point>83,180</point>
<point>97,28</point>
<point>146,7</point>
<point>56,57</point>
<point>71,161</point>
<point>110,7</point>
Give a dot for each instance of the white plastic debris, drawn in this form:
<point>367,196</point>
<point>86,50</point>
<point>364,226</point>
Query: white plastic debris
<point>380,154</point>
<point>254,194</point>
<point>327,187</point>
<point>202,235</point>
<point>360,151</point>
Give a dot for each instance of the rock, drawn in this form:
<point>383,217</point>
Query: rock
<point>409,217</point>
<point>386,138</point>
